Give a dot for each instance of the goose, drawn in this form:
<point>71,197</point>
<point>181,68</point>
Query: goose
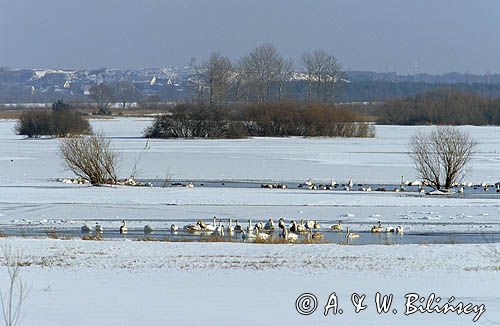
<point>337,227</point>
<point>148,229</point>
<point>310,224</point>
<point>377,228</point>
<point>98,228</point>
<point>316,225</point>
<point>230,228</point>
<point>174,228</point>
<point>293,227</point>
<point>399,229</point>
<point>350,235</point>
<point>261,236</point>
<point>123,228</point>
<point>86,229</point>
<point>461,190</point>
<point>237,227</point>
<point>250,228</point>
<point>390,229</point>
<point>259,226</point>
<point>269,226</point>
<point>288,235</point>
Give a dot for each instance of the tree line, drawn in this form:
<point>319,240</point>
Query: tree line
<point>261,76</point>
<point>445,106</point>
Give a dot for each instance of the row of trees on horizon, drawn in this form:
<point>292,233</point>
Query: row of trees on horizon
<point>261,76</point>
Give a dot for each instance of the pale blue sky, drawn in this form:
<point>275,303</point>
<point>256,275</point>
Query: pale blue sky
<point>379,35</point>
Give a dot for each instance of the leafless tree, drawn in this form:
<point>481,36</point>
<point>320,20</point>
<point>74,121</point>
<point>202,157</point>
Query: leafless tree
<point>218,70</point>
<point>285,74</point>
<point>441,157</point>
<point>103,95</point>
<point>262,67</point>
<point>323,72</point>
<point>13,298</point>
<point>91,158</point>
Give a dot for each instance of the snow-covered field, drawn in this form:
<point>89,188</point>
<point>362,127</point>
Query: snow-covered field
<point>127,282</point>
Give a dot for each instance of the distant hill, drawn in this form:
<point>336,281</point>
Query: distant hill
<point>174,84</point>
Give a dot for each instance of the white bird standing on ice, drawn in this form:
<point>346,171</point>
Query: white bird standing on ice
<point>123,228</point>
<point>174,228</point>
<point>219,230</point>
<point>250,228</point>
<point>350,184</point>
<point>230,228</point>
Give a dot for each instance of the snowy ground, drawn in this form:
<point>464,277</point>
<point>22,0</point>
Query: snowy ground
<point>128,282</point>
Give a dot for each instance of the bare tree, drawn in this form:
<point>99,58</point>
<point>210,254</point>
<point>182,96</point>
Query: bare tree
<point>103,96</point>
<point>218,70</point>
<point>262,67</point>
<point>91,158</point>
<point>441,157</point>
<point>13,298</point>
<point>323,72</point>
<point>285,74</point>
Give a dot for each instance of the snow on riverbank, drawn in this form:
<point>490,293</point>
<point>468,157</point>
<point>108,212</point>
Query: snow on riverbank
<point>128,283</point>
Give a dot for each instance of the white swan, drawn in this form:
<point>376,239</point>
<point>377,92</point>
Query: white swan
<point>351,235</point>
<point>174,228</point>
<point>238,228</point>
<point>148,229</point>
<point>193,227</point>
<point>250,228</point>
<point>259,226</point>
<point>377,228</point>
<point>269,226</point>
<point>399,229</point>
<point>350,184</point>
<point>337,227</point>
<point>230,228</point>
<point>219,230</point>
<point>247,235</point>
<point>261,236</point>
<point>123,228</point>
<point>86,228</point>
<point>98,228</point>
<point>289,236</point>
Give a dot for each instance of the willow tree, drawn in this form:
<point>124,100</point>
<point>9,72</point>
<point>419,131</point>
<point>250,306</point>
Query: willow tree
<point>442,156</point>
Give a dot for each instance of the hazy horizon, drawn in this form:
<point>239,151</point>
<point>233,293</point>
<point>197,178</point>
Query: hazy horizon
<point>382,36</point>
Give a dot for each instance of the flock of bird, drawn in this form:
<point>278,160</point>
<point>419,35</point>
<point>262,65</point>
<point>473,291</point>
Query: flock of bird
<point>259,231</point>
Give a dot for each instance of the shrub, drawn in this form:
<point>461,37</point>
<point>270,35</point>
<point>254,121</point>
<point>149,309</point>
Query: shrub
<point>91,158</point>
<point>62,121</point>
<point>271,120</point>
<point>195,122</point>
<point>35,124</point>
